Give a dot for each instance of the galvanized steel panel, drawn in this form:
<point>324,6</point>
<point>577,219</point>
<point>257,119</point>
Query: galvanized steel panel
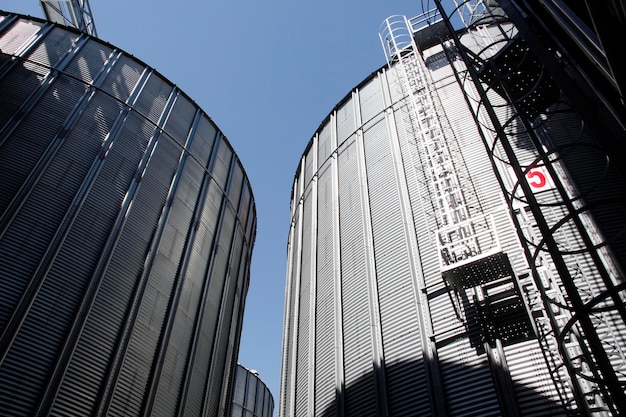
<point>370,101</point>
<point>304,306</point>
<point>356,326</point>
<point>325,292</point>
<point>18,36</point>
<point>344,117</point>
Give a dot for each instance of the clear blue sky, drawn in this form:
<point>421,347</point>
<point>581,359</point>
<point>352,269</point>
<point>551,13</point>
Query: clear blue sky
<point>267,73</point>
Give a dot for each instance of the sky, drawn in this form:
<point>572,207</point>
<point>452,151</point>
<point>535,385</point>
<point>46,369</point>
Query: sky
<point>267,73</point>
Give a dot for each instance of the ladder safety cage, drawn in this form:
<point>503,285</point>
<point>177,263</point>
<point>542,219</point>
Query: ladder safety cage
<point>73,13</point>
<point>462,236</point>
<point>479,277</point>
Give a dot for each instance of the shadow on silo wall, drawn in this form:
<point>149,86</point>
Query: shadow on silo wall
<point>464,391</point>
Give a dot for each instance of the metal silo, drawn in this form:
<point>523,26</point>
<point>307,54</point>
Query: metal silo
<point>126,229</point>
<point>251,397</point>
<point>430,247</point>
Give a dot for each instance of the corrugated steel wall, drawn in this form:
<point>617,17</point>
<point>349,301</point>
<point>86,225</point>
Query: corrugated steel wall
<point>404,343</point>
<point>251,397</point>
<point>126,230</point>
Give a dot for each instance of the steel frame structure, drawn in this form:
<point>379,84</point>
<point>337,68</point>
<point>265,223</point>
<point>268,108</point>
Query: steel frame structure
<point>582,289</point>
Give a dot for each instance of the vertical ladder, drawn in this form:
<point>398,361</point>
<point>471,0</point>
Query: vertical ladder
<point>471,260</point>
<point>462,237</point>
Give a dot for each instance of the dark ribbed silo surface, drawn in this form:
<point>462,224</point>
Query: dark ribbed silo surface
<point>126,229</point>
